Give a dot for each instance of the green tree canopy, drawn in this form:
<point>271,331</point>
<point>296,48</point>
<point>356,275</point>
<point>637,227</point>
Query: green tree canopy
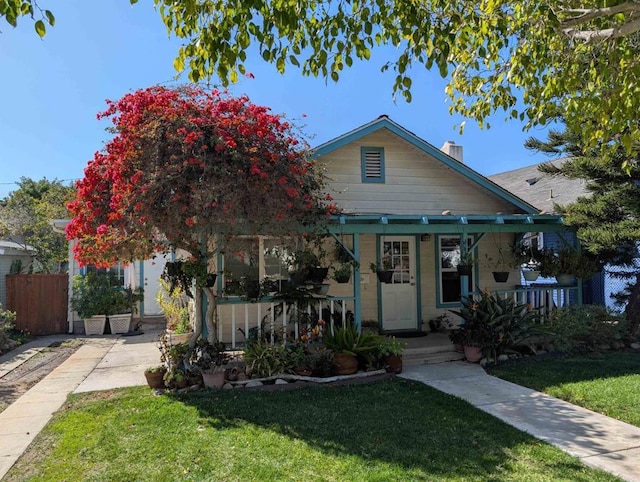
<point>572,58</point>
<point>26,215</point>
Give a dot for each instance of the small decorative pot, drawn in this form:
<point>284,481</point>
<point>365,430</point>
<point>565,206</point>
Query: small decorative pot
<point>473,354</point>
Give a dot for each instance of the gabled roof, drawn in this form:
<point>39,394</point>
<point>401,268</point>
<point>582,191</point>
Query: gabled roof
<point>540,189</point>
<point>384,122</point>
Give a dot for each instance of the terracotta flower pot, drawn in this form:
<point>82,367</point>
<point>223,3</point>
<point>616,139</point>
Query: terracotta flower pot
<point>213,380</point>
<point>393,363</point>
<point>344,364</point>
<point>473,354</point>
<point>155,379</point>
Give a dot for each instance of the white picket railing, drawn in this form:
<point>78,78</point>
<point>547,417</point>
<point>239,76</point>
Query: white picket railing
<point>273,317</point>
<point>544,298</point>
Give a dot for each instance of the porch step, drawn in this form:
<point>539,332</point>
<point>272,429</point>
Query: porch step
<point>424,356</point>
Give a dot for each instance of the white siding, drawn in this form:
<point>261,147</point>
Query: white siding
<point>5,268</point>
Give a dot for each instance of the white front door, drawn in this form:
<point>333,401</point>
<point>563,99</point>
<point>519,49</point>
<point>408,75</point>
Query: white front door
<point>399,298</point>
<point>152,269</point>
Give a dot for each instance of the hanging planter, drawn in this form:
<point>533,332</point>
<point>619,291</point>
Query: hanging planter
<point>530,274</point>
<point>465,269</point>
<point>252,288</point>
<point>565,279</point>
<point>318,275</point>
<point>501,276</point>
<point>384,276</point>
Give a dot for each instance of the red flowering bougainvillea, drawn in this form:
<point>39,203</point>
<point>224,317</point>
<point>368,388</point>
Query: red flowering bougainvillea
<point>190,169</point>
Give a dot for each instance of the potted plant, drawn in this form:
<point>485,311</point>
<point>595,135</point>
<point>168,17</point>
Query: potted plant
<point>175,309</point>
<point>342,274</point>
<point>211,359</point>
<point>383,270</point>
<point>347,344</point>
<point>92,298</point>
<point>503,262</point>
<point>391,352</point>
<point>465,264</point>
<point>124,304</point>
<point>155,376</point>
<point>567,264</point>
<point>528,258</point>
<point>493,324</point>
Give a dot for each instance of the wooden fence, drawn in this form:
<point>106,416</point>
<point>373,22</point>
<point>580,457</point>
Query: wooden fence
<point>40,302</point>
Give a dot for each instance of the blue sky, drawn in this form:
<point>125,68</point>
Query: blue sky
<point>51,90</point>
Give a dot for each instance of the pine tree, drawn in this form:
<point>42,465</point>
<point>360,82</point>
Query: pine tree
<point>607,220</point>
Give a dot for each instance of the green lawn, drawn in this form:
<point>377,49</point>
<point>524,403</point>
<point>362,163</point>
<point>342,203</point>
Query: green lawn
<point>394,430</point>
<point>606,383</point>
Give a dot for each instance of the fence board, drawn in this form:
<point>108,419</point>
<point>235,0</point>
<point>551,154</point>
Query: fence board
<point>40,302</point>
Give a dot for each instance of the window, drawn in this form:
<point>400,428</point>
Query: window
<point>116,271</point>
<point>372,159</point>
<point>264,258</point>
<point>448,260</point>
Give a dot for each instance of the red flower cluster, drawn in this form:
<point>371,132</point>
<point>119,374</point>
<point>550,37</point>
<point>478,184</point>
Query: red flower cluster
<point>188,164</point>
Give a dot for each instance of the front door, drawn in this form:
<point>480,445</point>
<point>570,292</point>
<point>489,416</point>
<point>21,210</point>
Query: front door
<point>399,298</point>
<point>152,269</point>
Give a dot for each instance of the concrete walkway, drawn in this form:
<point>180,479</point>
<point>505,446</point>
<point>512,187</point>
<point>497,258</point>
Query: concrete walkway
<point>104,363</point>
<point>101,363</point>
<point>597,440</point>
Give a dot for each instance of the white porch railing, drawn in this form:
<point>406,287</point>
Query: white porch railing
<point>543,298</point>
<point>238,318</point>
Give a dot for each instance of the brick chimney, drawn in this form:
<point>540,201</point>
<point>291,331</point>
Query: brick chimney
<point>453,150</point>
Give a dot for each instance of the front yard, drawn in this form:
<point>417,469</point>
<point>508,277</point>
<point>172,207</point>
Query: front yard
<point>391,430</point>
<point>605,383</point>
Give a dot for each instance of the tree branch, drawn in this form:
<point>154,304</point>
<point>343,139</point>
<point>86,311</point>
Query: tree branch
<point>604,34</point>
<point>567,25</point>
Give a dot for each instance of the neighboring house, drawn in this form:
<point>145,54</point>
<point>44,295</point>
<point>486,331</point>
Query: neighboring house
<point>11,254</point>
<point>403,199</point>
<point>545,191</point>
<point>145,274</point>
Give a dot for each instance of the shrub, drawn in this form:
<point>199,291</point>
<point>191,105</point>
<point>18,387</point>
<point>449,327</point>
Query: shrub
<point>7,320</point>
<point>175,307</point>
<point>495,323</point>
<point>586,328</point>
<point>265,359</point>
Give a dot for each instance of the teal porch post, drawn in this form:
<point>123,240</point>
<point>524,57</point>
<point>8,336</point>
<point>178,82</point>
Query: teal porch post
<point>464,279</point>
<point>357,292</point>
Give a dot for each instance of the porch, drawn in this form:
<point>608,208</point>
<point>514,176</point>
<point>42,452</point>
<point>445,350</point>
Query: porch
<point>281,322</point>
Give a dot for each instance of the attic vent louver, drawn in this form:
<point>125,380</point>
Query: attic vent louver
<point>372,159</point>
<point>373,164</point>
<point>531,181</point>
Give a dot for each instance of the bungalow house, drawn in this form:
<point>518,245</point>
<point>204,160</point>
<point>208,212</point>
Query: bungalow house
<point>418,207</point>
<point>405,203</point>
